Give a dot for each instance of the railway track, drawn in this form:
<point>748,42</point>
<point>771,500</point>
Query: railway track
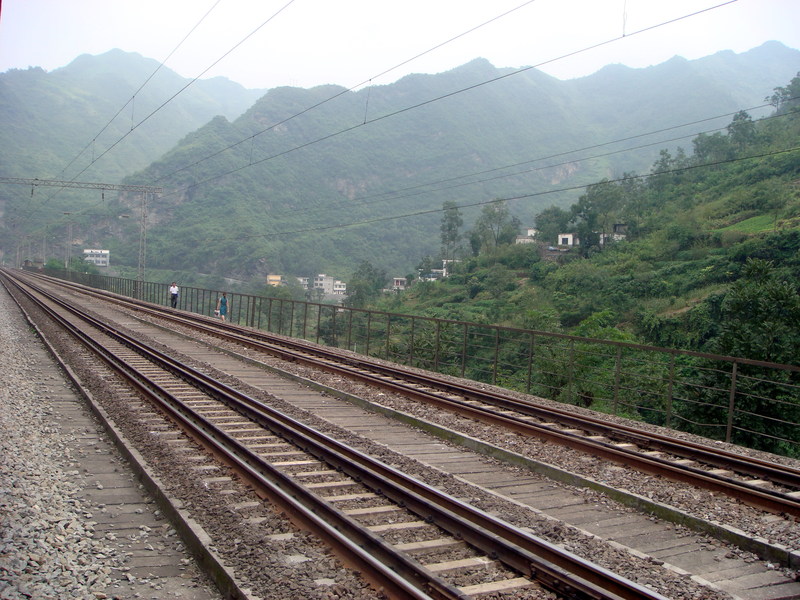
<point>345,496</point>
<point>251,367</point>
<point>759,483</point>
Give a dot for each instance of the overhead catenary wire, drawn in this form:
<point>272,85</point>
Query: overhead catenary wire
<point>252,138</point>
<point>457,179</point>
<point>344,91</point>
<point>406,109</point>
<point>418,105</point>
<point>133,97</point>
<point>506,199</point>
<point>366,121</point>
<point>192,81</point>
<point>533,194</point>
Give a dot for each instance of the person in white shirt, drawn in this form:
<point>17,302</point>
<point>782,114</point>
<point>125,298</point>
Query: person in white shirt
<point>173,294</point>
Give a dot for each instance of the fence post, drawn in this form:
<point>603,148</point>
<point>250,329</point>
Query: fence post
<point>464,350</point>
<point>350,329</point>
<point>436,353</point>
<point>670,387</point>
<point>280,316</point>
<point>531,348</point>
<point>411,343</point>
<point>571,371</point>
<point>369,328</point>
<point>731,403</point>
<point>617,369</point>
<point>496,354</point>
<point>388,333</point>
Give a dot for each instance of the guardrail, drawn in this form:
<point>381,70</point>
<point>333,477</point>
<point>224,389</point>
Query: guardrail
<point>746,402</point>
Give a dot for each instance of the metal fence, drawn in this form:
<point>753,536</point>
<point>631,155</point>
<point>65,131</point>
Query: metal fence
<point>746,402</point>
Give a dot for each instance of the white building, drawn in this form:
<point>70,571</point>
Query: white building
<point>568,239</point>
<point>99,258</point>
<point>329,285</point>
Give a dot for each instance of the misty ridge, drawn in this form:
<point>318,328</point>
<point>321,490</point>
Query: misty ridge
<point>255,182</point>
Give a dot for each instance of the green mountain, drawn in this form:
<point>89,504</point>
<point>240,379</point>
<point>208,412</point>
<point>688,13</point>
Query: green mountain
<point>708,260</point>
<point>319,180</point>
<point>55,125</point>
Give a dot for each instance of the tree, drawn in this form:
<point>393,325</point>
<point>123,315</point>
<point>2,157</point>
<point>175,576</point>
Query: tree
<point>759,319</point>
<point>711,148</point>
<point>787,98</point>
<point>451,229</point>
<point>761,316</point>
<point>496,226</point>
<point>365,285</point>
<point>550,222</point>
<point>425,267</point>
<point>742,130</point>
<point>597,206</point>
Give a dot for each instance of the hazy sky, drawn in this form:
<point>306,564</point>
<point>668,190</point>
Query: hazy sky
<point>347,42</point>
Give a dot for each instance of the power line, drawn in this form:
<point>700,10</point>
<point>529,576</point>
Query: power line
<point>415,106</point>
<point>345,91</point>
<point>82,185</point>
<point>399,193</point>
<point>176,94</point>
<point>508,198</point>
<point>141,87</point>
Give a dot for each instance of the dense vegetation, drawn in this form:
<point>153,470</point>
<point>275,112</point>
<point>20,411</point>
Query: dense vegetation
<point>710,262</point>
<point>704,232</point>
<point>320,180</point>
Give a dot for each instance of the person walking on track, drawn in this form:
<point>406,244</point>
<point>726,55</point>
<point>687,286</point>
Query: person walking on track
<point>222,306</point>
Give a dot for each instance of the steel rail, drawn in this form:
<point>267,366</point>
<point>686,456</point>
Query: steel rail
<point>311,512</point>
<point>394,378</point>
<point>553,567</point>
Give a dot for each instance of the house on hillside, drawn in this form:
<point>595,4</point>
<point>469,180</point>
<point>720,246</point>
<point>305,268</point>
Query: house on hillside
<point>618,233</point>
<point>568,239</point>
<point>329,285</point>
<point>528,237</point>
<point>98,258</point>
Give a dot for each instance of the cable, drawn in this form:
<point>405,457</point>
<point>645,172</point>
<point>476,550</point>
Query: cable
<point>506,199</point>
<point>398,194</point>
<point>141,87</point>
<point>343,92</point>
<point>418,105</point>
<point>171,98</point>
<point>398,111</point>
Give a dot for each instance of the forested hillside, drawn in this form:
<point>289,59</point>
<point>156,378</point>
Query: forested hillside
<point>48,118</point>
<point>710,259</point>
<point>362,175</point>
<point>323,179</point>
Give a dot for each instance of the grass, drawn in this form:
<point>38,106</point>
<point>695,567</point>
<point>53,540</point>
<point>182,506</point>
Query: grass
<point>756,224</point>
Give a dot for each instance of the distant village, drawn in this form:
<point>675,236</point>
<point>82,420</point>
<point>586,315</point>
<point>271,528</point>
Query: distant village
<point>330,287</point>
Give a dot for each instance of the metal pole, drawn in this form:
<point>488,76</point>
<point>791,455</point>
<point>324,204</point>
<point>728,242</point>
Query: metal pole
<point>464,350</point>
<point>671,386</point>
<point>731,403</point>
<point>531,350</point>
<point>496,355</point>
<point>140,275</point>
<point>617,372</point>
